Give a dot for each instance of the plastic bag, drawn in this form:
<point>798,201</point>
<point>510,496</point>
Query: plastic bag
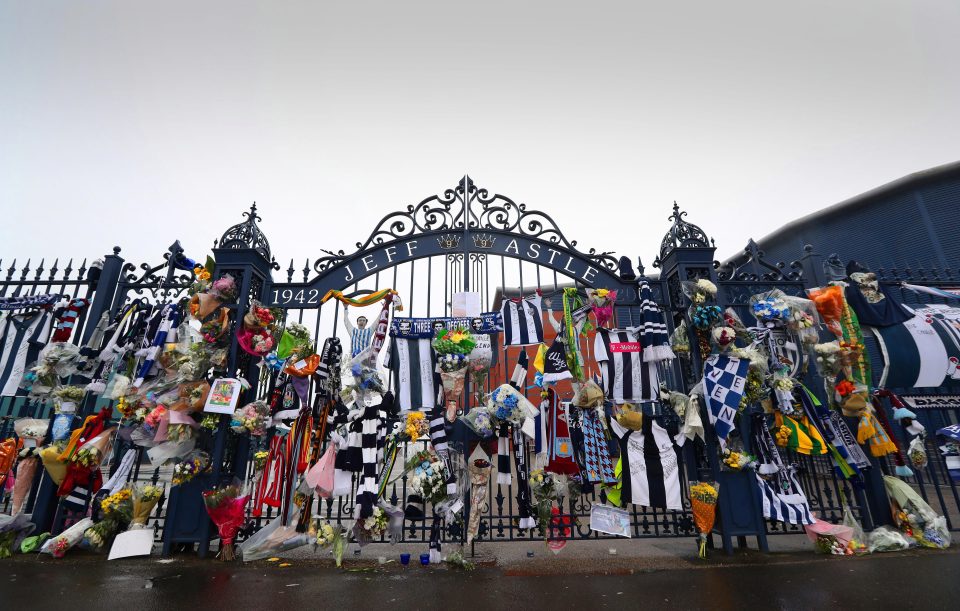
<point>274,538</point>
<point>857,538</point>
<point>887,539</point>
<point>167,451</point>
<point>320,477</point>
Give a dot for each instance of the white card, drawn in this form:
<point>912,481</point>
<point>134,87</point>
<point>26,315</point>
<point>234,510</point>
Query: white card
<point>465,304</point>
<point>132,543</point>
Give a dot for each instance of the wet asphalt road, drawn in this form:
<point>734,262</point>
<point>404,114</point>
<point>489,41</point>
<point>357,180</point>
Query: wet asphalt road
<point>922,580</point>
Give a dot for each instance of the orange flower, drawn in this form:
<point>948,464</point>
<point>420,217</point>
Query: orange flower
<point>845,387</point>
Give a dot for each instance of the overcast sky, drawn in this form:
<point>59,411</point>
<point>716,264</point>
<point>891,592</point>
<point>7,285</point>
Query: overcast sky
<point>133,123</point>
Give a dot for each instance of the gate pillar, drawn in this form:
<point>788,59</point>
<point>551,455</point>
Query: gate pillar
<point>687,253</point>
<point>243,252</point>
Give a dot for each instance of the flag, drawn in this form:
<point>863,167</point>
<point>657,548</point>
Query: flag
<point>724,380</point>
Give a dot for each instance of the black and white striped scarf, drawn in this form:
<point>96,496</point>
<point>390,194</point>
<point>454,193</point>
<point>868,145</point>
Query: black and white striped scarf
<point>438,438</point>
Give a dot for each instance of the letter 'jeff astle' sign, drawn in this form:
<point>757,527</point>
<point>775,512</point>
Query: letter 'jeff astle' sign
<point>570,264</point>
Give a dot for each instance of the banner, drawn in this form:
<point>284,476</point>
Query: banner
<point>424,328</point>
<point>924,351</point>
<point>724,380</point>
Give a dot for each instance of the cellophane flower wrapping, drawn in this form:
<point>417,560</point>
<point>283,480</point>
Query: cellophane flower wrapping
<point>26,470</point>
<point>770,308</point>
<point>479,421</point>
<point>13,529</point>
<point>58,546</point>
<point>703,502</point>
<point>275,538</point>
<point>226,506</point>
<point>145,498</point>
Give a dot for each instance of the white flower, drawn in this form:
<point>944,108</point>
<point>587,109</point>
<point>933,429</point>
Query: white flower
<point>707,287</point>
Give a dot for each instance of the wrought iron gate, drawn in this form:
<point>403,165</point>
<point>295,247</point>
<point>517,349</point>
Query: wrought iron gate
<point>468,239</point>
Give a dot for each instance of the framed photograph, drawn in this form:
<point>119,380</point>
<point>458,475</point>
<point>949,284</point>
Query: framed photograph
<point>610,520</point>
<point>223,397</point>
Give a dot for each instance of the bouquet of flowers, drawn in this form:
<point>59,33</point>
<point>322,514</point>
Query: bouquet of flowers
<point>416,426</point>
<point>253,418</point>
<point>602,300</point>
<point>59,545</point>
<point>479,421</point>
<point>145,498</point>
<point>479,471</point>
<point>56,360</point>
<point>224,288</point>
<point>295,343</point>
<point>117,512</point>
<point>699,291</point>
<point>703,501</point>
<point>737,461</point>
<point>225,506</point>
<point>452,347</point>
<point>68,396</point>
<point>194,463</point>
<point>257,334</point>
<point>201,277</point>
<point>371,528</point>
<point>782,385</point>
<point>31,432</point>
<point>828,359</point>
<point>916,451</point>
<point>260,460</point>
<point>429,478</point>
<point>803,319</point>
<point>549,490</point>
<point>329,536</point>
<point>509,405</point>
<point>723,336</point>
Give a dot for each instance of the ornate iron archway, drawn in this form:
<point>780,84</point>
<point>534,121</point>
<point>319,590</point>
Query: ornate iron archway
<point>466,225</point>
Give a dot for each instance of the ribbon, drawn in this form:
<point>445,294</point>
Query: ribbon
<point>365,300</point>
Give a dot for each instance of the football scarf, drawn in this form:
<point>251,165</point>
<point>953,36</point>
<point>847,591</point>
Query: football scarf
<point>523,485</point>
<point>782,498</point>
<point>598,464</point>
<point>575,321</point>
<point>724,380</point>
<point>426,328</point>
<point>653,329</point>
<point>560,444</point>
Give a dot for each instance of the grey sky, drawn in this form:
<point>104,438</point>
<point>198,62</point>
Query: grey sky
<point>134,123</point>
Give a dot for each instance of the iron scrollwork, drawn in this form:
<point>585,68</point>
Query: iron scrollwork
<point>475,209</point>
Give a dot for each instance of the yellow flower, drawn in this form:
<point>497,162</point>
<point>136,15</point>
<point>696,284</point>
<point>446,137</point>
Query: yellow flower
<point>457,337</point>
<point>602,292</point>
